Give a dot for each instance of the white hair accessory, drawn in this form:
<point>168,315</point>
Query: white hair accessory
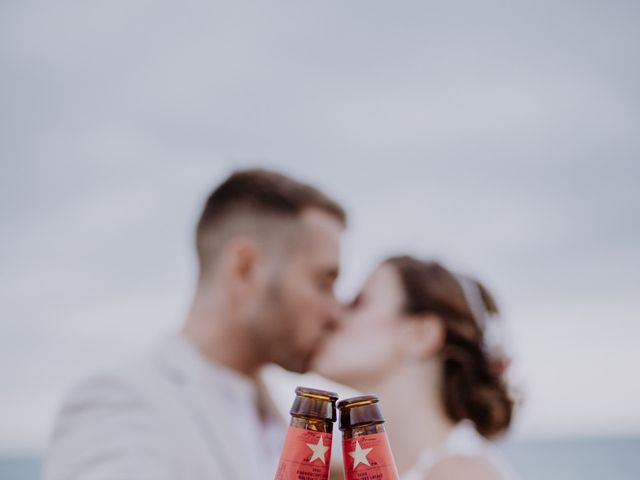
<point>490,323</point>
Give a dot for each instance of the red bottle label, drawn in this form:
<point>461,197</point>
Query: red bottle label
<point>369,457</point>
<point>305,456</point>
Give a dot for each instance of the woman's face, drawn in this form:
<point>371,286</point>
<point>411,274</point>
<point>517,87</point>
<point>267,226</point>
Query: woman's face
<point>367,345</point>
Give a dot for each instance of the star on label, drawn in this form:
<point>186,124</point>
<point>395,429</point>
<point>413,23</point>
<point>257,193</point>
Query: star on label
<point>319,451</point>
<point>360,455</point>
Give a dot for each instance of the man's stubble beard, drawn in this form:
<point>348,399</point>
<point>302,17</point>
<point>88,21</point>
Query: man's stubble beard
<point>272,336</point>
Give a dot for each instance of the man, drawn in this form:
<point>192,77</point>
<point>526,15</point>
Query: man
<point>268,252</point>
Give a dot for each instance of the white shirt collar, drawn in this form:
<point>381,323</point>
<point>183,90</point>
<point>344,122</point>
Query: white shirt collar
<point>231,384</point>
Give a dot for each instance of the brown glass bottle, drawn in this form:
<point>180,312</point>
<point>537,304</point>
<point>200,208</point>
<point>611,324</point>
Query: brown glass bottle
<point>365,447</point>
<point>306,454</point>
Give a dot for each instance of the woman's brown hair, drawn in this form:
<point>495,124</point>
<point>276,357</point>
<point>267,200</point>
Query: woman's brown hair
<point>473,388</point>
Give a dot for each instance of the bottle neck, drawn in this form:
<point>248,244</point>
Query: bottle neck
<point>311,423</point>
<point>360,430</point>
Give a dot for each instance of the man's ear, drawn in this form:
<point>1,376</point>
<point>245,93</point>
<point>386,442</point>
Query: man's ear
<point>423,336</point>
<point>241,263</point>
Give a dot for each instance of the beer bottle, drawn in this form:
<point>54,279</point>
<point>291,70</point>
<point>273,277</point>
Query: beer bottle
<point>365,447</point>
<point>307,447</point>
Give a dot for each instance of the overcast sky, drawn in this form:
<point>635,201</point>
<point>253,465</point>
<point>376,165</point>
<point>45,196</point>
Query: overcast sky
<point>502,139</point>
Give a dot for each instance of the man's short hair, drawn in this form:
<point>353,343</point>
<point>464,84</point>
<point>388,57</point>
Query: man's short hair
<point>261,194</point>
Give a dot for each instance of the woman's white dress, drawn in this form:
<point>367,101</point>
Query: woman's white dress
<point>463,440</point>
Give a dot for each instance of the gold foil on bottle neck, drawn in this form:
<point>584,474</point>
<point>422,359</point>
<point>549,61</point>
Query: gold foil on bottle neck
<point>358,411</point>
<point>313,403</point>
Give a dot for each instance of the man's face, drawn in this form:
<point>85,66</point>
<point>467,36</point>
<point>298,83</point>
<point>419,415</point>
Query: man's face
<point>300,307</point>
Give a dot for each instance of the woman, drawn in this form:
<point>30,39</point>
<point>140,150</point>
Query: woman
<point>422,339</point>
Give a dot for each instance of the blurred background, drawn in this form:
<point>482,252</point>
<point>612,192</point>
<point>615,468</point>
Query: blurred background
<point>499,137</point>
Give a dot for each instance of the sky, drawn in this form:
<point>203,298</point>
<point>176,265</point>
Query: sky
<point>500,138</point>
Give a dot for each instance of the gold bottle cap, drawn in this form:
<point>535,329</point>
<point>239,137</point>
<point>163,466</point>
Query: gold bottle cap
<point>314,403</point>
